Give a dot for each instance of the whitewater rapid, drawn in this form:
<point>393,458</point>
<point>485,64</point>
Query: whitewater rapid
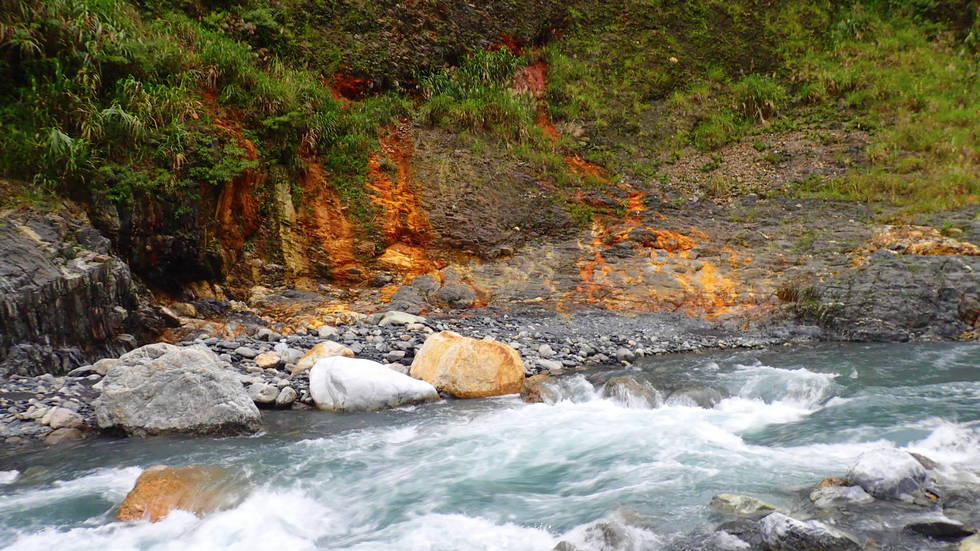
<point>501,474</point>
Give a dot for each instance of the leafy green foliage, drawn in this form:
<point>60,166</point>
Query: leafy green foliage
<point>122,98</point>
<point>478,95</point>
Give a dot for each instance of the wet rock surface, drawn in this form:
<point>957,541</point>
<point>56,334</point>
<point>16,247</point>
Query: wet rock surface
<point>547,342</point>
<point>196,489</point>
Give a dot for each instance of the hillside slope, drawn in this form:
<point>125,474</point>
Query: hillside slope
<point>728,160</point>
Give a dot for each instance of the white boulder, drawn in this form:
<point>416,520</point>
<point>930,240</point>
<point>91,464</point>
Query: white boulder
<point>348,384</point>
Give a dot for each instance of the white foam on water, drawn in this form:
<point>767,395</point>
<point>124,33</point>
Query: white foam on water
<point>612,533</point>
<point>954,446</point>
<point>500,474</point>
<point>267,520</point>
<point>799,387</point>
<point>574,389</point>
<point>110,484</point>
<point>9,477</point>
<point>453,532</point>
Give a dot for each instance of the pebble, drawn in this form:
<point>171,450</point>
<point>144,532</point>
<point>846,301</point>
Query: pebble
<point>246,352</point>
<point>262,393</point>
<point>286,397</point>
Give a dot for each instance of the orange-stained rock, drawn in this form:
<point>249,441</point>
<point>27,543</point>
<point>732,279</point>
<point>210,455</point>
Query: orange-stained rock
<point>468,368</point>
<point>325,349</point>
<point>196,489</point>
<point>832,481</point>
<point>918,240</point>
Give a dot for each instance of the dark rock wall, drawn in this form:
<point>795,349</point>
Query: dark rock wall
<point>899,298</point>
<point>64,300</point>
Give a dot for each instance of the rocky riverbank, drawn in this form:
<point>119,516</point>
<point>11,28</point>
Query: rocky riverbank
<point>270,365</point>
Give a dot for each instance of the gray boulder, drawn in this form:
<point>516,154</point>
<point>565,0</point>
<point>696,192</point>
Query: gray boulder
<point>286,397</point>
<point>887,473</point>
<point>456,295</point>
<point>166,389</point>
<point>783,533</point>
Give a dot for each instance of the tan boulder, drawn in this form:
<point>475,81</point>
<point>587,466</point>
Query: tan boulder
<point>325,349</point>
<point>196,489</point>
<point>468,368</point>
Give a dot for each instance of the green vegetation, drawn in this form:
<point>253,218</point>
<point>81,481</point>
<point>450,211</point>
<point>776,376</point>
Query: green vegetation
<point>120,99</point>
<point>97,98</point>
<point>671,75</point>
<point>478,95</point>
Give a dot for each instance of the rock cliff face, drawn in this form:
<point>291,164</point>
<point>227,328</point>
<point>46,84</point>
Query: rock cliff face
<point>64,299</point>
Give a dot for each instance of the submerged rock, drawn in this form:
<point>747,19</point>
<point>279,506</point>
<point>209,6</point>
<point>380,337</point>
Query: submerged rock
<point>468,368</point>
<point>63,434</point>
<point>196,489</point>
<point>702,397</point>
<point>632,393</point>
<point>743,506</point>
<point>161,389</point>
<point>348,384</point>
<point>615,534</point>
<point>888,473</point>
<point>326,349</point>
<point>783,533</point>
<point>835,496</point>
<point>940,527</point>
<point>538,389</point>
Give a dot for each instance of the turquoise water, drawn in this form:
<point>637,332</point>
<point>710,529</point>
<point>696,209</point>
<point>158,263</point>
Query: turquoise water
<point>501,474</point>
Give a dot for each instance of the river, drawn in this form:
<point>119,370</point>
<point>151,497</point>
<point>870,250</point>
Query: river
<point>501,474</point>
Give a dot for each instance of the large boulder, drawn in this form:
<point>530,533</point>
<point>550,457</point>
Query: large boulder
<point>468,368</point>
<point>323,350</point>
<point>888,473</point>
<point>196,489</point>
<point>783,533</point>
<point>163,389</point>
<point>349,384</point>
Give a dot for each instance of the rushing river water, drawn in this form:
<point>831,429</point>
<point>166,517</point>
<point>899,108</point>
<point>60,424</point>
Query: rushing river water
<point>500,474</point>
